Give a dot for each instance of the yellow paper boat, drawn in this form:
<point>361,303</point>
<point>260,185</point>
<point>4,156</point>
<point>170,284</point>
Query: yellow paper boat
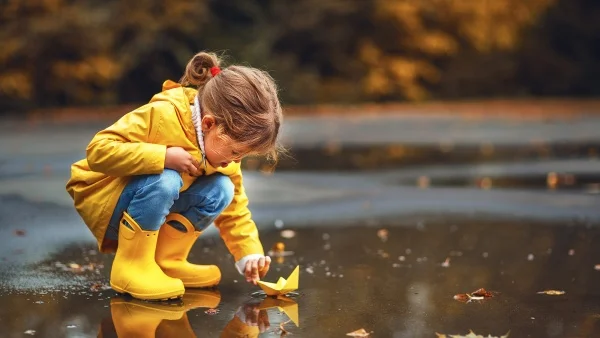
<point>283,285</point>
<point>283,304</point>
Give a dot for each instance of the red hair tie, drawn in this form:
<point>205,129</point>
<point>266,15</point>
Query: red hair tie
<point>215,70</point>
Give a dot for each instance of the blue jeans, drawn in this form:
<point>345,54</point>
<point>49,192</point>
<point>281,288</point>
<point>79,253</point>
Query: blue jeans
<point>148,199</point>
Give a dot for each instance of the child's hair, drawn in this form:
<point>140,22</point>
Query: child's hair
<point>242,99</point>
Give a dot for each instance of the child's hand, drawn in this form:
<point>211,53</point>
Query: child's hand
<point>182,161</point>
<point>256,269</point>
<point>256,317</point>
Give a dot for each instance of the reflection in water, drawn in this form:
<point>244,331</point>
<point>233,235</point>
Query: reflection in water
<point>135,318</point>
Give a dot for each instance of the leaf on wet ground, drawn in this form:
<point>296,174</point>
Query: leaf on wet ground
<point>30,332</point>
<point>20,233</point>
<point>552,292</point>
<point>99,287</point>
<point>471,334</point>
<point>479,294</point>
<point>77,268</point>
<point>283,331</point>
<point>359,333</point>
<point>211,311</point>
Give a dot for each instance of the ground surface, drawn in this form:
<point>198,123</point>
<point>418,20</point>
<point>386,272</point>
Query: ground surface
<point>511,205</point>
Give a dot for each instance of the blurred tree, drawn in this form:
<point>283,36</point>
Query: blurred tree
<point>448,47</point>
<point>58,52</point>
<point>561,55</point>
<point>63,52</point>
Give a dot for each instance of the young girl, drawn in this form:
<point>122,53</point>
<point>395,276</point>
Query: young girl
<point>154,180</point>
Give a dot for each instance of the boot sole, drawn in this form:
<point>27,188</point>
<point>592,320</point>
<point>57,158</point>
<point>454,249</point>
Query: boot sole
<point>153,297</point>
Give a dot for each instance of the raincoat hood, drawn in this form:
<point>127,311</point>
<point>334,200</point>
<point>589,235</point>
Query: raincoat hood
<point>181,98</point>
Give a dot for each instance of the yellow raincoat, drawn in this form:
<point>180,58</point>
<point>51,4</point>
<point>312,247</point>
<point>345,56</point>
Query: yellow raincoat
<point>136,145</point>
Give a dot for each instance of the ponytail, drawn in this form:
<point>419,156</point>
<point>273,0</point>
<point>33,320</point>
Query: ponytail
<point>198,70</point>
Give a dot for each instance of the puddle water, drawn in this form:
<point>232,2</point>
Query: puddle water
<point>396,280</point>
<point>583,183</point>
<point>348,157</point>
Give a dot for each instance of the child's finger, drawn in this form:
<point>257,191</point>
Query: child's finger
<point>196,163</point>
<point>261,263</point>
<point>255,270</point>
<point>248,271</point>
<point>192,170</point>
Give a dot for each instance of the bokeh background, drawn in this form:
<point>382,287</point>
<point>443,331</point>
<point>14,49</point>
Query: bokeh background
<point>436,147</point>
<point>105,52</point>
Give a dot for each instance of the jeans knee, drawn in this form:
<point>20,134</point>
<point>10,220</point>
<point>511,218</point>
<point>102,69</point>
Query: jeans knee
<point>223,192</point>
<point>167,184</point>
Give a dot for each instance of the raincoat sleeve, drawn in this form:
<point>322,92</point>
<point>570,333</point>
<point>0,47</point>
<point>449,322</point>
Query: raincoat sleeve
<point>236,226</point>
<point>126,147</point>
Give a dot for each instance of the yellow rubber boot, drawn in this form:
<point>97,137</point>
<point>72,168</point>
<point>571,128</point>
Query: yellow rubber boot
<point>134,270</point>
<point>172,251</point>
<point>139,319</point>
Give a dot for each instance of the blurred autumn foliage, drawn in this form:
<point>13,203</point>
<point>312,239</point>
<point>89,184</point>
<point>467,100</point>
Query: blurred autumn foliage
<point>95,52</point>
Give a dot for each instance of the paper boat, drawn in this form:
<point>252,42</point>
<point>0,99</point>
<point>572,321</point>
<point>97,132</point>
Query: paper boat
<point>283,285</point>
<point>283,304</point>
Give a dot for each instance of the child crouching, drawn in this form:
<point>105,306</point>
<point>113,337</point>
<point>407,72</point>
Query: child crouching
<point>155,179</point>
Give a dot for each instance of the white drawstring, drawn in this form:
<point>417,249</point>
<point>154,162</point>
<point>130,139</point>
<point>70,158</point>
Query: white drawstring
<point>197,120</point>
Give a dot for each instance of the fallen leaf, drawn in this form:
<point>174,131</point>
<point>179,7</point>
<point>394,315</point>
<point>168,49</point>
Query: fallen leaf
<point>470,335</point>
<point>480,294</point>
<point>446,263</point>
<point>552,292</point>
<point>20,232</point>
<point>358,333</point>
<point>278,247</point>
<point>99,287</point>
<point>30,332</point>
<point>211,311</point>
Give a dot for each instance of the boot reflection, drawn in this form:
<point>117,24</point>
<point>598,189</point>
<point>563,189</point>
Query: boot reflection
<point>192,299</point>
<point>133,318</point>
<point>196,298</point>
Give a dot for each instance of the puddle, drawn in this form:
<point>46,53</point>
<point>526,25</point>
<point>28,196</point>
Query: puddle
<point>584,183</point>
<point>348,157</point>
<point>396,280</point>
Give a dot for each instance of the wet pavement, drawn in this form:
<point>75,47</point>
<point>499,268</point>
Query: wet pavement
<point>390,219</point>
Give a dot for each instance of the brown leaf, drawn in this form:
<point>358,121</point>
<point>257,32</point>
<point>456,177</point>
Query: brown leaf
<point>211,311</point>
<point>358,333</point>
<point>480,294</point>
<point>552,292</point>
<point>20,233</point>
<point>462,297</point>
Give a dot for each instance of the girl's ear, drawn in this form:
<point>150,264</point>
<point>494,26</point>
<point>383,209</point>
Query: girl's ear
<point>208,123</point>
